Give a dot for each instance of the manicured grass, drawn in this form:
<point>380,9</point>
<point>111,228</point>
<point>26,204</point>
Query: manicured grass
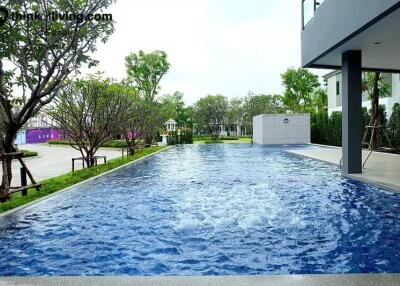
<point>27,154</point>
<point>242,140</point>
<point>58,183</point>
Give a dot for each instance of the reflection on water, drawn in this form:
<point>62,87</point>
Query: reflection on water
<point>208,210</point>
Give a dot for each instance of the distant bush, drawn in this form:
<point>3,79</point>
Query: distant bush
<point>115,144</point>
<point>59,142</point>
<point>334,132</point>
<point>230,138</point>
<point>111,144</point>
<point>213,142</point>
<point>27,154</point>
<point>201,137</point>
<point>319,127</point>
<point>184,136</point>
<point>394,127</point>
<point>328,130</point>
<point>208,138</point>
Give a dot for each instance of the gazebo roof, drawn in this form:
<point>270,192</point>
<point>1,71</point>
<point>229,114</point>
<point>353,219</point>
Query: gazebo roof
<point>171,121</point>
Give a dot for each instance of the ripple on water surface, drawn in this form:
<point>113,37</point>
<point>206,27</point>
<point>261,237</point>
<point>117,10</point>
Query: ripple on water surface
<point>208,210</point>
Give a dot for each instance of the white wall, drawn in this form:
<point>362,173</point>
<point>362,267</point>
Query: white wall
<point>387,101</point>
<point>270,129</point>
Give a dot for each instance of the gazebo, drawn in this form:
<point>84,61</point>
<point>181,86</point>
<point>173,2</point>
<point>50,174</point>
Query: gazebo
<point>171,125</point>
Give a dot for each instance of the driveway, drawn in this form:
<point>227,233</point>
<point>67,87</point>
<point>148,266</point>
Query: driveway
<point>53,161</point>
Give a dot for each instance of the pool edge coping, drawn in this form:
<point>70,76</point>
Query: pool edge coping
<point>386,187</point>
<point>381,279</point>
<point>9,212</point>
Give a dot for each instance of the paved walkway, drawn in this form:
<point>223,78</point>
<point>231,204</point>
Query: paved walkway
<point>273,280</point>
<point>381,168</point>
<point>53,161</point>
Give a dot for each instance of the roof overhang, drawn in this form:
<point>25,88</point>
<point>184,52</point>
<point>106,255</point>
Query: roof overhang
<point>378,39</point>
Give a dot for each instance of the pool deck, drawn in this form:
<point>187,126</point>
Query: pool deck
<point>273,280</point>
<point>381,168</point>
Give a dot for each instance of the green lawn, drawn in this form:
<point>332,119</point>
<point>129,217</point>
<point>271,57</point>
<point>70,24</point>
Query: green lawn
<point>58,183</point>
<point>241,140</point>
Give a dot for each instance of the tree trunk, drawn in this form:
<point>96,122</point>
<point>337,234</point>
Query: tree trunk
<point>375,110</point>
<point>131,147</point>
<point>10,135</point>
<point>89,159</point>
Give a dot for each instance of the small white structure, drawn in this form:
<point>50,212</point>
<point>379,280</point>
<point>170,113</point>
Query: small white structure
<point>171,125</point>
<point>278,129</point>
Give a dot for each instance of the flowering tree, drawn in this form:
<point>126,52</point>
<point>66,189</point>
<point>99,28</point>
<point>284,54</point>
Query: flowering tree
<point>36,56</point>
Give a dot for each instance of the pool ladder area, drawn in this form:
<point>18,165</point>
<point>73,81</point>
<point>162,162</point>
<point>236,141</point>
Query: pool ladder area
<point>364,162</point>
<point>375,131</point>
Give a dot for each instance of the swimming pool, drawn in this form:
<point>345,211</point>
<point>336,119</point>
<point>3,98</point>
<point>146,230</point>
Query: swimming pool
<point>208,210</point>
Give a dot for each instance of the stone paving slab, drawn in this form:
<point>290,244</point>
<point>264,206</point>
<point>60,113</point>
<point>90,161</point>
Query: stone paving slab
<point>382,169</point>
<point>273,280</point>
<point>53,161</point>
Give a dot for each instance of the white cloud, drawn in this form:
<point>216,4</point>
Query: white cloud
<point>214,46</point>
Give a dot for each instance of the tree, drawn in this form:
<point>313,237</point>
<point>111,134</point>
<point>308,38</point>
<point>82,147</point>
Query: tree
<point>210,112</point>
<point>320,100</point>
<point>261,104</point>
<point>374,85</point>
<point>236,112</point>
<point>90,113</point>
<point>41,55</point>
<point>134,128</point>
<point>145,71</point>
<point>300,86</point>
<point>173,106</point>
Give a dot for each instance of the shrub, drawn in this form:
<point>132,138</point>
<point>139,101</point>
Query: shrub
<point>334,132</point>
<point>230,138</point>
<point>201,137</point>
<point>115,144</point>
<point>213,142</point>
<point>394,126</point>
<point>319,127</point>
<point>185,136</point>
<point>172,138</point>
<point>27,154</point>
<point>59,142</point>
<point>328,130</point>
<point>111,144</point>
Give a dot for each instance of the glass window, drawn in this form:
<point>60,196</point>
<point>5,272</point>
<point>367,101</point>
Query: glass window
<point>337,87</point>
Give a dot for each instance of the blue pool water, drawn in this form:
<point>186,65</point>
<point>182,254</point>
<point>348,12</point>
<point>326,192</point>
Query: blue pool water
<point>208,210</point>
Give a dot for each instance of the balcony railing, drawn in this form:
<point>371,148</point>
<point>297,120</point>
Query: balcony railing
<point>308,8</point>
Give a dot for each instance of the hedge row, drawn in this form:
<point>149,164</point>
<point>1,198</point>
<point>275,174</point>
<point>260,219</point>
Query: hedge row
<point>27,153</point>
<point>111,144</point>
<point>183,137</point>
<point>328,130</point>
<point>208,138</point>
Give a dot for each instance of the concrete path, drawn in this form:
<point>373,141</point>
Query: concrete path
<point>381,169</point>
<point>53,161</point>
<point>283,280</point>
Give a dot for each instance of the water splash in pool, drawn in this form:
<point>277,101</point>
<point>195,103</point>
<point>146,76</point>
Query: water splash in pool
<point>208,210</point>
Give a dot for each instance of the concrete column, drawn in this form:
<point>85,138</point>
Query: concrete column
<point>351,116</point>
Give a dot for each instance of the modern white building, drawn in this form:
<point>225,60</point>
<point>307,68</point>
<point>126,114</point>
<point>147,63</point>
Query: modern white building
<point>334,85</point>
<point>351,36</point>
<point>278,129</point>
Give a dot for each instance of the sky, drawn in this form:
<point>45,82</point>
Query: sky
<point>228,47</point>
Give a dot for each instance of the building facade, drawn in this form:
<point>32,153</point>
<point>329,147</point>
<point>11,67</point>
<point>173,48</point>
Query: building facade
<point>334,87</point>
<point>351,36</point>
<point>39,129</point>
